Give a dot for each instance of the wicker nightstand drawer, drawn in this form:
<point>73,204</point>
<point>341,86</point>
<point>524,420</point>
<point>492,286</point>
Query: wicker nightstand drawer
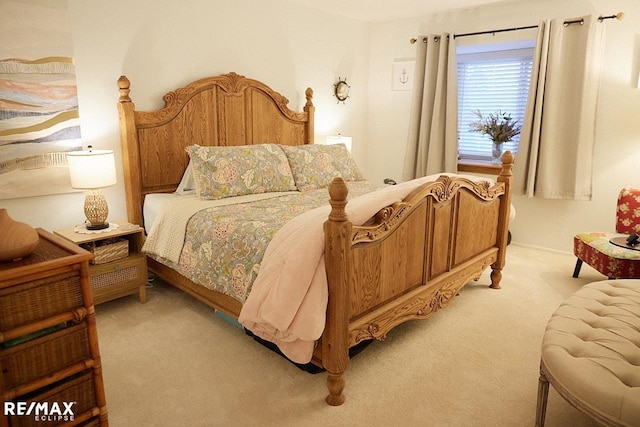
<point>118,278</point>
<point>41,356</point>
<point>39,299</point>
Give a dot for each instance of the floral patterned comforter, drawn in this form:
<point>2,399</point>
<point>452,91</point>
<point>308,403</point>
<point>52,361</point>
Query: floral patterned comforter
<point>224,246</point>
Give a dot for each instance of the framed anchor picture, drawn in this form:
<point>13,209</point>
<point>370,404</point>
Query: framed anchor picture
<point>402,75</point>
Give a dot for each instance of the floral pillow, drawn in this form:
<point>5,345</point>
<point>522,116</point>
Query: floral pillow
<point>315,166</point>
<point>221,172</point>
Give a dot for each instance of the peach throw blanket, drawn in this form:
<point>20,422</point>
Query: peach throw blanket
<point>288,300</point>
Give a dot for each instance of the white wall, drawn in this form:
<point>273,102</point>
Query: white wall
<point>163,44</point>
<point>545,223</point>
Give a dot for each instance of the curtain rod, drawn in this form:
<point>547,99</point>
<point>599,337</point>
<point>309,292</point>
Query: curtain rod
<point>504,30</point>
<point>618,16</point>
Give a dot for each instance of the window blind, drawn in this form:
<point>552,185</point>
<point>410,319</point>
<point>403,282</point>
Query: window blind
<point>489,82</point>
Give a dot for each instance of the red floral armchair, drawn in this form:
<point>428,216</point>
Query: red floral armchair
<point>595,249</point>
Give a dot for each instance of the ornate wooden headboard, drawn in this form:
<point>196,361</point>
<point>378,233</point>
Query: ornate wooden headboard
<point>229,109</point>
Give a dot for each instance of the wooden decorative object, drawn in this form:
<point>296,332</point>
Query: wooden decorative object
<point>406,262</point>
<point>18,239</point>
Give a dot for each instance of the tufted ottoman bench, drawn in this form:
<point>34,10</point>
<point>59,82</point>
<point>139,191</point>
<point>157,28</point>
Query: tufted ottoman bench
<point>591,353</point>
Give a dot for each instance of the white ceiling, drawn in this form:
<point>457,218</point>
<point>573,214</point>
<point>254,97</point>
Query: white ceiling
<point>388,10</point>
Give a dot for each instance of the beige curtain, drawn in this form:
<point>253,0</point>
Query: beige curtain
<point>555,153</point>
<point>432,145</point>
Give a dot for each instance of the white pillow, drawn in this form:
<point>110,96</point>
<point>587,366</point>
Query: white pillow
<point>187,184</point>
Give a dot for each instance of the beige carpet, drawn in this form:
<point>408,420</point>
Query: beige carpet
<point>172,362</point>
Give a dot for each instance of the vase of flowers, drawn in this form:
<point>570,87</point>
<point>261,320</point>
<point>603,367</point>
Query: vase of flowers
<point>498,126</point>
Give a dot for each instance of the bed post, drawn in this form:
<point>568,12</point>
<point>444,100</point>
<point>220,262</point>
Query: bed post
<point>310,109</point>
<point>503,222</point>
<point>335,347</point>
<point>130,153</point>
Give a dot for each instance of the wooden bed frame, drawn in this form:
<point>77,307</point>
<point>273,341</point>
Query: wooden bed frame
<point>406,262</point>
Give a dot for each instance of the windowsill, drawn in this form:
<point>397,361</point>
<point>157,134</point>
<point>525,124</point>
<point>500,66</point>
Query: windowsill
<point>479,166</point>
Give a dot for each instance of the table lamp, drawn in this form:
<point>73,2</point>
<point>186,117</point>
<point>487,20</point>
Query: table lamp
<point>92,170</point>
<point>340,139</point>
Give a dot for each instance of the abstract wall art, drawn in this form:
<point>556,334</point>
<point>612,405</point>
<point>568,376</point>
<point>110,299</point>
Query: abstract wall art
<point>39,116</point>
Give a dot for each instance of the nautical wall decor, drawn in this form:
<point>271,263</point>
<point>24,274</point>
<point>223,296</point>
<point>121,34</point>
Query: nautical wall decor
<point>402,72</point>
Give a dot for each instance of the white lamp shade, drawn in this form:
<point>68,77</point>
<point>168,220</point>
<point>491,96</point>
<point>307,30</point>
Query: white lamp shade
<point>92,168</point>
<point>339,139</point>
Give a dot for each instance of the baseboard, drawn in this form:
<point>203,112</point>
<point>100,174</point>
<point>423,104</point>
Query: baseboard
<point>541,248</point>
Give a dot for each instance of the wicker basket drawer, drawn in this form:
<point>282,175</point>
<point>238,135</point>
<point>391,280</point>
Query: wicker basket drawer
<point>119,278</point>
<point>107,250</point>
<point>45,355</point>
<point>125,272</point>
<point>39,299</point>
<point>79,389</point>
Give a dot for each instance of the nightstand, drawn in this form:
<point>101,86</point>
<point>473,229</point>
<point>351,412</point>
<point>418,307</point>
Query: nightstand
<point>111,279</point>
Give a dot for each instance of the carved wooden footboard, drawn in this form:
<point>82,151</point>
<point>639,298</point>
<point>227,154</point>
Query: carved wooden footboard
<point>409,261</point>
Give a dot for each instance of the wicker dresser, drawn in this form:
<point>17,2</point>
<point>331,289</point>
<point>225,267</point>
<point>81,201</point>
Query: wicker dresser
<point>49,355</point>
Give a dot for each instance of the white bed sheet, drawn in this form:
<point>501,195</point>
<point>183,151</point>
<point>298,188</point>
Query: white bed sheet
<point>153,204</point>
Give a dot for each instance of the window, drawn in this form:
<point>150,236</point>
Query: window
<point>490,79</point>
